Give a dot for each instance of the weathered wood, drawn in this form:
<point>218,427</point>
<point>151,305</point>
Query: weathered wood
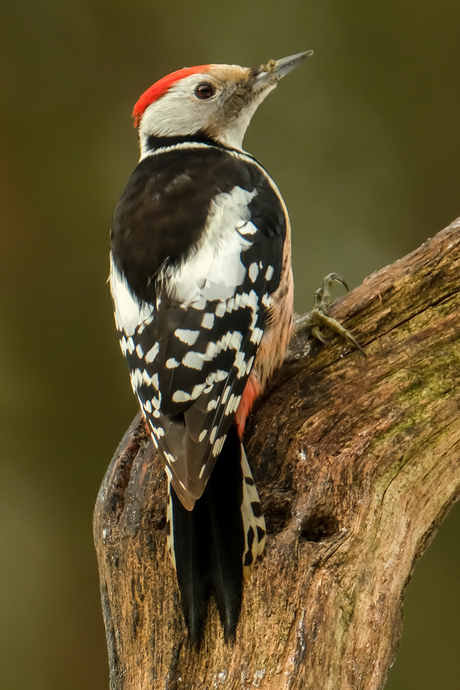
<point>357,461</point>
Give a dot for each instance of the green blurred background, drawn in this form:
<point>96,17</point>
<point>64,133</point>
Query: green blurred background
<point>363,141</point>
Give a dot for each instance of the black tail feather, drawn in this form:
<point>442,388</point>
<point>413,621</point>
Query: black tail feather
<point>209,544</point>
<point>190,535</point>
<point>224,495</point>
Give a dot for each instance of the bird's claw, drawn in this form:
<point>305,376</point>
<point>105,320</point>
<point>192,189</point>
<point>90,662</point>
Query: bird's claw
<point>318,317</point>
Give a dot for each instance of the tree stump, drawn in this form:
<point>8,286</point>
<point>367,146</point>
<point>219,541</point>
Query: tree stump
<point>357,462</point>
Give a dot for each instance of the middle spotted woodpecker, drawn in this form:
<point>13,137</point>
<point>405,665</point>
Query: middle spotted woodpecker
<point>202,288</point>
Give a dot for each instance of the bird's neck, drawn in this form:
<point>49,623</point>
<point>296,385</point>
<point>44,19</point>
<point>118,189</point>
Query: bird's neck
<point>150,144</point>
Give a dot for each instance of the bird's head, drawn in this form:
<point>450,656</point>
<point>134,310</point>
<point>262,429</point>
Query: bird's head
<point>211,101</point>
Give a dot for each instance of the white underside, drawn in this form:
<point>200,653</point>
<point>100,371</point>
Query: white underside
<point>130,313</point>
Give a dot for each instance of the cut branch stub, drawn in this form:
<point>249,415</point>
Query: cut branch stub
<point>357,461</point>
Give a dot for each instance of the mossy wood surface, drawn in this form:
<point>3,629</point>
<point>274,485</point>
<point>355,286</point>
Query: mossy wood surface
<point>357,461</point>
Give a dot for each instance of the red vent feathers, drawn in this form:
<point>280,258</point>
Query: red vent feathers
<point>161,87</point>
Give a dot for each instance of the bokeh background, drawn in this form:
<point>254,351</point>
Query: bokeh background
<point>363,141</point>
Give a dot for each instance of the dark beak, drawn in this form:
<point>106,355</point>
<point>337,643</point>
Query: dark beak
<point>274,70</point>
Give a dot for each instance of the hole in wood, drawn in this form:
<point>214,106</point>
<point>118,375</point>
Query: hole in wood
<point>318,527</point>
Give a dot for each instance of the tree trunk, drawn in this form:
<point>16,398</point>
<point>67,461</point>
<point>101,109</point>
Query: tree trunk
<point>357,462</point>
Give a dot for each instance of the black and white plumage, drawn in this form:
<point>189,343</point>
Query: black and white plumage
<point>202,291</point>
<point>190,344</point>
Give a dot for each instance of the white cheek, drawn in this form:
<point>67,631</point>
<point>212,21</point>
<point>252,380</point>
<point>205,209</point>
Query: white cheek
<point>164,119</point>
<point>179,112</point>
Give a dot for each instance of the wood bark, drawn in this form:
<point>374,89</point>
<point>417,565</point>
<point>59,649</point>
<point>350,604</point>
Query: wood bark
<point>357,462</point>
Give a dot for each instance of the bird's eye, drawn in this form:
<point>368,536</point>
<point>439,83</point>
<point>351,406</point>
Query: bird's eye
<point>204,91</point>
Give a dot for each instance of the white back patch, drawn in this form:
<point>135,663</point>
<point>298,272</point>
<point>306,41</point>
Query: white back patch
<point>216,270</point>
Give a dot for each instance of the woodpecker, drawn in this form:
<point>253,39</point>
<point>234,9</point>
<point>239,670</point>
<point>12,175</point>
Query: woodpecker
<point>202,289</point>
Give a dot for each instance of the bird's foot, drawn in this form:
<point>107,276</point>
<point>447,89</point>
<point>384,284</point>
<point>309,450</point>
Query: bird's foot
<point>317,317</point>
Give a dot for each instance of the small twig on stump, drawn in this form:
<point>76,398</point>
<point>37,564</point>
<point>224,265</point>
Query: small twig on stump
<point>357,462</point>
